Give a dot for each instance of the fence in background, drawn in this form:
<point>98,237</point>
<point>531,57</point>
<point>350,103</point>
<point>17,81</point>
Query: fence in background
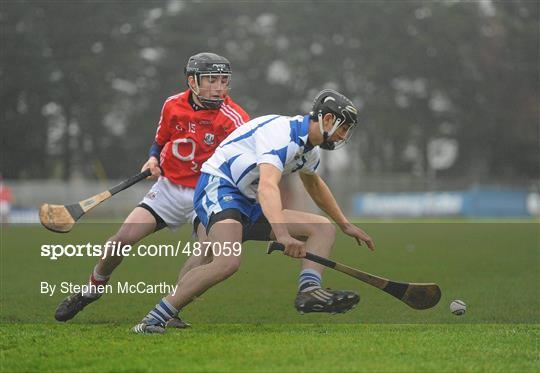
<point>381,196</point>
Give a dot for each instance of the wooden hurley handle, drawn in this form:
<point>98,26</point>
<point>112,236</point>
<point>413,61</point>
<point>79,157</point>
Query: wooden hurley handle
<point>130,181</point>
<point>273,246</point>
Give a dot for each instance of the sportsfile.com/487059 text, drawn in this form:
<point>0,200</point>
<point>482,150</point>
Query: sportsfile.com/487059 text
<point>113,248</point>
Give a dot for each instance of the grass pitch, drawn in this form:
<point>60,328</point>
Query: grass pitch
<point>248,323</point>
<point>271,347</point>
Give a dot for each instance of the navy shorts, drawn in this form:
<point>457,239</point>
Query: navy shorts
<point>217,199</point>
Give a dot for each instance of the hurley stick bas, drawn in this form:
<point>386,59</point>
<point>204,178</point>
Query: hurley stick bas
<point>62,218</point>
<point>419,296</point>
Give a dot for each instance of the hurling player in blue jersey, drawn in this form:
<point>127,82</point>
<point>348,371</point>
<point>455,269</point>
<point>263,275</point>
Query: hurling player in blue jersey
<point>237,198</point>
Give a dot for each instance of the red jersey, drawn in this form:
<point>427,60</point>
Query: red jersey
<point>5,194</point>
<point>189,136</point>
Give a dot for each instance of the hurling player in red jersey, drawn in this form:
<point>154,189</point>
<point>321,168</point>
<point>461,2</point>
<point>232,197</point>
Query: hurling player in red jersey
<point>191,126</point>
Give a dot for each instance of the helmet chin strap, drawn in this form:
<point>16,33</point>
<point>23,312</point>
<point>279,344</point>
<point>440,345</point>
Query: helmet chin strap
<point>195,89</point>
<point>207,103</point>
<point>327,144</point>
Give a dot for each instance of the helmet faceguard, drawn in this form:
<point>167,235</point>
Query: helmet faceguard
<point>344,112</point>
<point>207,65</point>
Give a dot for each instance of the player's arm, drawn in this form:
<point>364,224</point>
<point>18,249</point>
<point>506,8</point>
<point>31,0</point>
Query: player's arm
<point>323,197</point>
<point>153,161</point>
<point>270,200</point>
<point>163,135</point>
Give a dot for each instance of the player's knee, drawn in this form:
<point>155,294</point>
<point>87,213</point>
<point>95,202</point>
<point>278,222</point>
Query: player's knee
<point>328,229</point>
<point>124,237</point>
<point>228,268</point>
<point>323,227</point>
<point>130,233</point>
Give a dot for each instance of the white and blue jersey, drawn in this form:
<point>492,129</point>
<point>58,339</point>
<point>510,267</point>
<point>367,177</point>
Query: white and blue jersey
<point>229,179</point>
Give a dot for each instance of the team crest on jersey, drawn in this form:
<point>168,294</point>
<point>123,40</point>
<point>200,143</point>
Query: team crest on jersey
<point>209,138</point>
<point>152,194</point>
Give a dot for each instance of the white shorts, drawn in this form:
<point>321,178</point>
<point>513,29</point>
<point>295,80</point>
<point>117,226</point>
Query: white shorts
<point>5,208</point>
<point>172,203</point>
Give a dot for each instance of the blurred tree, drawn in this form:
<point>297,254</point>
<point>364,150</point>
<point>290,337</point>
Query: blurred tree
<point>83,83</point>
<point>66,70</point>
<point>24,84</point>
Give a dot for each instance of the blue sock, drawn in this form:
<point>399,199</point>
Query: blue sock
<point>309,279</point>
<point>162,312</point>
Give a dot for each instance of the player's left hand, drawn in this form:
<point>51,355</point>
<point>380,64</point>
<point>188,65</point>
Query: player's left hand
<point>153,165</point>
<point>360,236</point>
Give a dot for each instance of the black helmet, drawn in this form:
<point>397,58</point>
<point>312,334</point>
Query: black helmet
<point>203,64</point>
<point>344,111</point>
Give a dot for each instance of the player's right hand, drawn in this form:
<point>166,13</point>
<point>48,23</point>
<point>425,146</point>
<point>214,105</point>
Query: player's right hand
<point>153,164</point>
<point>293,247</point>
